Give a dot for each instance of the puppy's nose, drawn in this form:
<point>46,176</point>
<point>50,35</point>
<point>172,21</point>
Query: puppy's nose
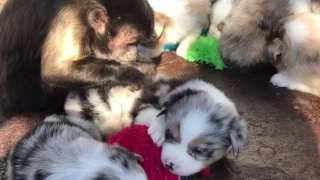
<point>170,166</point>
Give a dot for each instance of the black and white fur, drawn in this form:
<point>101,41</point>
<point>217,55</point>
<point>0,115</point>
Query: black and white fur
<point>113,108</point>
<point>196,127</point>
<point>193,110</point>
<point>68,148</point>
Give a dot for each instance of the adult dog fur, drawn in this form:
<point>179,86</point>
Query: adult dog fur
<point>296,54</point>
<point>283,33</point>
<point>70,148</point>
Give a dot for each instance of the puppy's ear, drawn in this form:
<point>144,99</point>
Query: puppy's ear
<point>136,157</point>
<point>127,153</point>
<point>98,19</point>
<point>238,135</point>
<point>274,49</point>
<point>163,112</point>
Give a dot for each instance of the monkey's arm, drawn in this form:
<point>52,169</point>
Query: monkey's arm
<point>90,72</point>
<point>146,65</point>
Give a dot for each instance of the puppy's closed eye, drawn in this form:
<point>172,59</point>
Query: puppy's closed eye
<point>199,151</point>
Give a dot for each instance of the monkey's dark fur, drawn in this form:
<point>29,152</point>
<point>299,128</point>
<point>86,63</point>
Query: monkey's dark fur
<point>51,46</point>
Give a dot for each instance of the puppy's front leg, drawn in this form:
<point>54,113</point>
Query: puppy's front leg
<point>157,130</point>
<point>184,46</point>
<point>157,125</point>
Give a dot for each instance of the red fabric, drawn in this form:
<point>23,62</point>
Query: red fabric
<point>205,172</point>
<point>136,139</point>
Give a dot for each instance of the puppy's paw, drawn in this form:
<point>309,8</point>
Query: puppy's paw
<point>182,51</point>
<point>280,80</point>
<point>157,131</point>
<point>147,116</point>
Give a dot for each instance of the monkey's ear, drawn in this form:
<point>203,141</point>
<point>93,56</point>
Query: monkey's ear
<point>98,19</point>
<point>274,49</point>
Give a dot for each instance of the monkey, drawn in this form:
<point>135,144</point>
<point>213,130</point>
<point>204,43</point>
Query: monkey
<point>51,47</point>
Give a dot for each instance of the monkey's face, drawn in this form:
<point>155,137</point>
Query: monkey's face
<point>123,46</point>
<point>129,22</point>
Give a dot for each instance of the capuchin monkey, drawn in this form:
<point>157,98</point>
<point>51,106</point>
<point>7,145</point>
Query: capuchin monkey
<point>49,47</point>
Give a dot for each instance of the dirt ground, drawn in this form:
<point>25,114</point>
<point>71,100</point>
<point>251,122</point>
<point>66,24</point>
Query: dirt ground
<point>284,126</point>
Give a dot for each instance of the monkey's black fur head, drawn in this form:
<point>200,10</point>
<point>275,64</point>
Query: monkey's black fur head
<point>137,13</point>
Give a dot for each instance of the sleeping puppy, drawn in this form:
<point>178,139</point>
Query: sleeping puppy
<point>176,21</point>
<point>296,54</point>
<point>69,148</point>
<point>196,126</point>
<point>112,108</point>
<point>248,28</point>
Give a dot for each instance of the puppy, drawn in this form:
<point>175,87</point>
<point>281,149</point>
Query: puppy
<point>196,126</point>
<point>114,108</point>
<point>296,54</point>
<point>177,21</point>
<point>69,148</point>
<point>249,26</point>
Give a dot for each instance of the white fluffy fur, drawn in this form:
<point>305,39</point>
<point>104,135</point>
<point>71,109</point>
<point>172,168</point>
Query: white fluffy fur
<point>297,32</point>
<point>219,13</point>
<point>282,80</point>
<point>187,19</point>
<point>109,118</point>
<point>301,6</point>
<point>73,107</point>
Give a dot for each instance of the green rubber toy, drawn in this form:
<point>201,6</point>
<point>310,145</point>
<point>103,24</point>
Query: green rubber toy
<point>206,50</point>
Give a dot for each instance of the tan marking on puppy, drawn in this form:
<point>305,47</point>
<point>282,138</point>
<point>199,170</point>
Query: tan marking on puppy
<point>196,142</point>
<point>176,132</point>
<point>217,155</point>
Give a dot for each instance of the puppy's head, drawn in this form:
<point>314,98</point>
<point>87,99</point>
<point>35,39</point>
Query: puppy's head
<point>200,131</point>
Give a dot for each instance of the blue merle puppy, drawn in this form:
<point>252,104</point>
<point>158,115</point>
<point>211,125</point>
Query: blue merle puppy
<point>194,122</point>
<point>65,148</point>
<point>196,125</point>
